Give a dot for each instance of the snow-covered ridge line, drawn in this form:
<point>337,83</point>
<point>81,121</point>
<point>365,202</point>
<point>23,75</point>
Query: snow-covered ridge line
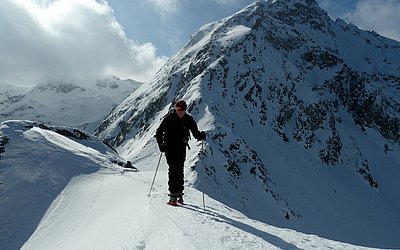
<point>37,161</point>
<point>60,190</point>
<point>79,105</point>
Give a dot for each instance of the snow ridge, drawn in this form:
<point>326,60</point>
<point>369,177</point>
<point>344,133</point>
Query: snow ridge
<point>60,189</point>
<point>37,161</point>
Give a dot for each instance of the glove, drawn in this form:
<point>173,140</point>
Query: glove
<point>202,135</point>
<point>162,147</point>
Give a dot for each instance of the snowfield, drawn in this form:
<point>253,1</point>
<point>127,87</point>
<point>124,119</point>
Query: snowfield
<point>110,209</point>
<point>60,192</point>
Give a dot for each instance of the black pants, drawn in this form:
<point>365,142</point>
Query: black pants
<point>175,158</point>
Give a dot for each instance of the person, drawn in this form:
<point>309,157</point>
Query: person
<point>129,165</point>
<point>172,138</point>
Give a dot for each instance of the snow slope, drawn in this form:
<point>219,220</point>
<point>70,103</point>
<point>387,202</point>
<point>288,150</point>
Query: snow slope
<point>109,210</point>
<point>62,192</point>
<point>36,162</point>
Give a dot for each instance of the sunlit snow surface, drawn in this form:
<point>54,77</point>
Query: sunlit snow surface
<point>63,193</point>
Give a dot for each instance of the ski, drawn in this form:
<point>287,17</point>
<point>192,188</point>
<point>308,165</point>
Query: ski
<point>173,203</point>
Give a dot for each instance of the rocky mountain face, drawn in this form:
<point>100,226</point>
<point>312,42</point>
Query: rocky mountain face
<point>302,115</point>
<point>79,105</point>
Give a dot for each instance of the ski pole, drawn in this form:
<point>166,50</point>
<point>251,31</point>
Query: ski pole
<point>152,183</point>
<point>202,178</point>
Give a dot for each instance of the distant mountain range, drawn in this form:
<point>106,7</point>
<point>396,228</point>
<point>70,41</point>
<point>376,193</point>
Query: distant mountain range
<point>79,105</point>
<point>302,114</point>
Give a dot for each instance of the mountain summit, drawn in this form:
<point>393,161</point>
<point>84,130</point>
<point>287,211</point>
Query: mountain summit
<point>302,115</point>
<point>70,104</point>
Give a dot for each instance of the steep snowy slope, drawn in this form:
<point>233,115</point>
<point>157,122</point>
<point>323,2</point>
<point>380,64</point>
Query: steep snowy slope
<point>59,190</point>
<point>37,161</point>
<point>77,105</point>
<point>302,116</point>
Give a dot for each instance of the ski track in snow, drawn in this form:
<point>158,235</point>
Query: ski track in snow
<point>110,209</point>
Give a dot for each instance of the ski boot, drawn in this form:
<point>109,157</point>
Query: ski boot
<point>172,202</point>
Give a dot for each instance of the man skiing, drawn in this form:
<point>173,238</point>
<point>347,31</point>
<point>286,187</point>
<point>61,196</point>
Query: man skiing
<point>172,137</point>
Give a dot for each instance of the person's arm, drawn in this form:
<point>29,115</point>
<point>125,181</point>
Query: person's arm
<point>160,135</point>
<point>199,135</point>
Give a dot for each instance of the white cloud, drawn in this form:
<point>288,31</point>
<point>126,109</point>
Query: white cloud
<point>381,16</point>
<point>43,40</point>
<point>227,2</point>
<point>165,7</point>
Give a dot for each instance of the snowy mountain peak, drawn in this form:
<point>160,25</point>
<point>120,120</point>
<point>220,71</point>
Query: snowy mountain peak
<point>292,3</point>
<point>58,87</point>
<point>288,11</point>
<point>297,108</point>
<point>79,105</point>
<point>294,12</point>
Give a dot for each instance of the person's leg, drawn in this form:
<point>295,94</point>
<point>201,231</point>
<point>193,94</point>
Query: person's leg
<point>180,171</point>
<point>173,172</point>
<point>176,161</point>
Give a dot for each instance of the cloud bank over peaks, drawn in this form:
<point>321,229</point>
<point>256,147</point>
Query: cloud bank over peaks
<point>165,7</point>
<point>170,7</point>
<point>382,16</point>
<point>68,40</point>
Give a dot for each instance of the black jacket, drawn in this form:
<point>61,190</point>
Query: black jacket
<point>174,131</point>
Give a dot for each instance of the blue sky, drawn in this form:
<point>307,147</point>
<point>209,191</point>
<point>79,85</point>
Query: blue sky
<point>77,40</point>
<point>169,23</point>
<point>169,26</point>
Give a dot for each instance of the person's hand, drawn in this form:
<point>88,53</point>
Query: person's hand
<point>202,135</point>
